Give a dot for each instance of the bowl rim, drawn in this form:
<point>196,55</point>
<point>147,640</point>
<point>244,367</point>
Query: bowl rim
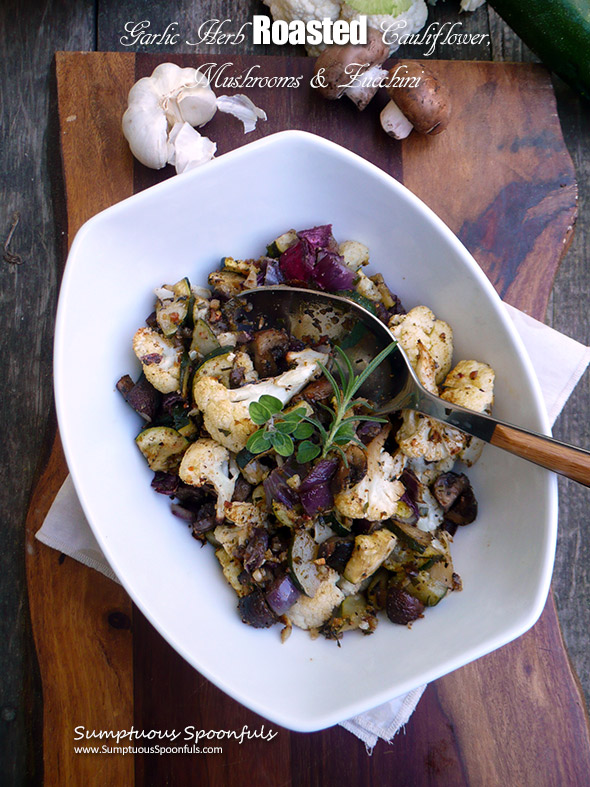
<point>295,137</point>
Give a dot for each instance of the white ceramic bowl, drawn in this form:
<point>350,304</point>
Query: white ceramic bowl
<point>234,206</point>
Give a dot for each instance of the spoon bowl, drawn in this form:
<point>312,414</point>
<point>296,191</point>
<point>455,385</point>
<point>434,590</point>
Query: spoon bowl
<point>313,315</point>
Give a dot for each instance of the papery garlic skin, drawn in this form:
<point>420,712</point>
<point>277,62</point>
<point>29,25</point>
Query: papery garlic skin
<point>243,108</point>
<point>189,149</point>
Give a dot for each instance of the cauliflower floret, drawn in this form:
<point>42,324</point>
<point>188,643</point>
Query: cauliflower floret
<point>160,359</point>
<point>406,23</point>
<point>232,538</point>
<point>243,519</point>
<point>309,613</point>
<point>420,436</point>
<point>376,496</point>
<point>367,288</point>
<point>471,385</point>
<point>420,327</point>
<point>225,411</point>
<point>427,472</point>
<point>245,515</point>
<point>244,362</point>
<point>207,462</point>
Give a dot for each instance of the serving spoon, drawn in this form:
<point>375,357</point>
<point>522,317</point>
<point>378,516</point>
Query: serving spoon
<point>394,385</point>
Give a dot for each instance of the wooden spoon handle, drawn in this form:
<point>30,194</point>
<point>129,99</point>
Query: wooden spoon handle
<point>571,462</point>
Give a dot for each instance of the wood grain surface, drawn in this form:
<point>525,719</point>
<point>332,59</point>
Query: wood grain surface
<point>469,727</point>
<point>566,460</point>
<point>82,620</point>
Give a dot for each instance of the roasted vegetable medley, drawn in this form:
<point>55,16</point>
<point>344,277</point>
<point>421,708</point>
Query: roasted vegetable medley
<point>320,513</point>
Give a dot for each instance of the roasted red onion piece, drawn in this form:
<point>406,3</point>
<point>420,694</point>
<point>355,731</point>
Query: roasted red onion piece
<point>276,488</point>
<point>314,492</point>
<point>330,273</point>
<point>298,262</point>
<point>281,594</point>
<point>319,237</point>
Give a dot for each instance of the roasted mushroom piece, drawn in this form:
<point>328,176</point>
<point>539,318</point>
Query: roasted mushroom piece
<point>141,396</point>
<point>454,493</point>
<point>255,611</point>
<point>337,66</point>
<point>336,552</point>
<point>401,607</point>
<point>270,347</point>
<point>351,471</point>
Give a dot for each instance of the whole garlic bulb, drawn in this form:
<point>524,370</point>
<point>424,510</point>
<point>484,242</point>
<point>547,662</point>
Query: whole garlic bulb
<point>156,103</point>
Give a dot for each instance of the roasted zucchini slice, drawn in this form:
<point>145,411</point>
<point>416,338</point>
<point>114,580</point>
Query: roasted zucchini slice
<point>171,313</point>
<point>204,340</point>
<point>368,554</point>
<point>163,447</point>
<point>304,572</point>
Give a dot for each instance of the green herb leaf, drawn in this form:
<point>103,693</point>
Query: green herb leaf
<point>259,413</point>
<point>295,415</point>
<point>271,403</point>
<point>342,427</point>
<point>282,443</point>
<point>303,430</point>
<point>285,427</point>
<point>344,434</point>
<point>307,451</point>
<point>258,442</point>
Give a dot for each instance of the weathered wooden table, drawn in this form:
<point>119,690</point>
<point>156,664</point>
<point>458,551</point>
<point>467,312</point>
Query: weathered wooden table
<point>31,32</point>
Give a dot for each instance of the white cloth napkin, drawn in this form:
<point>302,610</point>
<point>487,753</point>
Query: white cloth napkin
<point>559,363</point>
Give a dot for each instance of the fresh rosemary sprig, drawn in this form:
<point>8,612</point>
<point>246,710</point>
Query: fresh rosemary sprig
<point>281,430</point>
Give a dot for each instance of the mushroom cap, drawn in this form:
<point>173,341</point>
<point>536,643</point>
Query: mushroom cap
<point>335,59</point>
<point>428,105</point>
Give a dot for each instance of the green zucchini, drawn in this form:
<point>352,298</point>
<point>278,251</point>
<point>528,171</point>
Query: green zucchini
<point>557,31</point>
<point>353,613</point>
<point>281,244</point>
<point>304,572</point>
<point>285,516</point>
<point>227,283</point>
<point>341,525</point>
<point>416,539</point>
<point>204,340</point>
<point>217,364</point>
<point>163,447</point>
<point>236,266</point>
<point>172,312</point>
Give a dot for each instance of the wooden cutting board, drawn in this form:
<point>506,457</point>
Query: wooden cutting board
<point>502,179</point>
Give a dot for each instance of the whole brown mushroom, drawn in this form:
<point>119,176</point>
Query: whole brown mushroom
<point>418,101</point>
<point>337,65</point>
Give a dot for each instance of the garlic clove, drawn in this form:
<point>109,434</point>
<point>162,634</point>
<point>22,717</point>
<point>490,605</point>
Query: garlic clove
<point>243,108</point>
<point>394,122</point>
<point>145,126</point>
<point>196,105</point>
<point>188,149</point>
<point>167,78</point>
